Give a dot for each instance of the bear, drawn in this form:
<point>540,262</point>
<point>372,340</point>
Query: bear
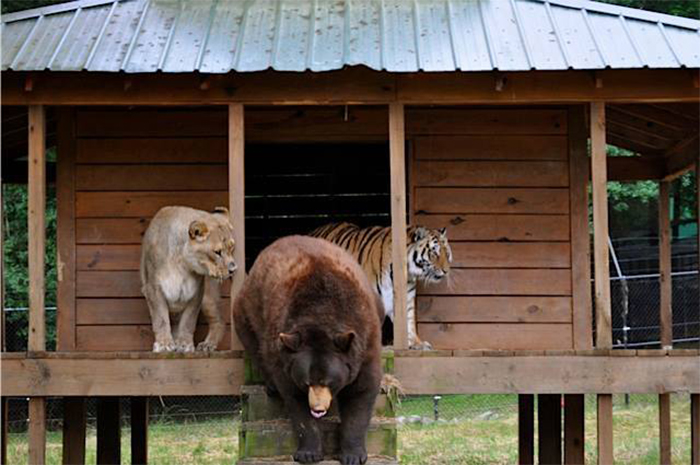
<point>310,321</point>
<point>185,254</point>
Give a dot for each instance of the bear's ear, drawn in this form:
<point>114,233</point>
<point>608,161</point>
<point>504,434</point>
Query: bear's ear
<point>291,341</point>
<point>343,341</point>
<point>198,231</point>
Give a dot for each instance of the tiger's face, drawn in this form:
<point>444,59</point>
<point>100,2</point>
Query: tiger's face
<point>429,254</point>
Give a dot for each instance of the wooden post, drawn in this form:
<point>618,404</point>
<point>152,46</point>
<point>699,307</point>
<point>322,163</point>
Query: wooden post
<point>397,149</point>
<point>695,429</point>
<point>549,428</point>
<point>236,200</point>
<point>665,314</point>
<point>602,272</point>
<point>37,327</point>
<point>574,429</point>
<point>526,429</point>
<point>108,431</point>
<point>74,430</point>
<point>139,430</point>
<point>3,435</point>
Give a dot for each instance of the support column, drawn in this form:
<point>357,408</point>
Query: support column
<point>74,416</point>
<point>549,428</point>
<point>574,426</point>
<point>236,201</point>
<point>397,149</point>
<point>3,438</point>
<point>37,326</point>
<point>599,179</point>
<point>139,430</point>
<point>108,431</point>
<point>526,429</point>
<point>695,429</point>
<point>665,314</point>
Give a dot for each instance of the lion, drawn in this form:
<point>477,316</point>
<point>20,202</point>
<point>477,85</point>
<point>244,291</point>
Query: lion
<point>185,254</point>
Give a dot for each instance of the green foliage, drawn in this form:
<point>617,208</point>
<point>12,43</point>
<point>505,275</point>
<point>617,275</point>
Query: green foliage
<point>10,6</point>
<point>687,8</point>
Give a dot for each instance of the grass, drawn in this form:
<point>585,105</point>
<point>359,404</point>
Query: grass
<point>476,430</point>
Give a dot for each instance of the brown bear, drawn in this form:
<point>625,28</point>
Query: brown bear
<point>311,323</point>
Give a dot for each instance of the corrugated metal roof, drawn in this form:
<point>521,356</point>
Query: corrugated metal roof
<point>218,36</point>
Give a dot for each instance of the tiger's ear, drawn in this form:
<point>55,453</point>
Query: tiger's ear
<point>343,341</point>
<point>198,231</point>
<point>443,232</point>
<point>291,341</point>
<point>419,233</point>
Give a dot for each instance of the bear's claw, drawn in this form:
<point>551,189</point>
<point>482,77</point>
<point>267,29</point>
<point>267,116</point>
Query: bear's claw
<point>351,458</point>
<point>308,456</point>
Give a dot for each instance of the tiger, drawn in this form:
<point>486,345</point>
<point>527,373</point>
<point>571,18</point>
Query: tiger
<point>428,260</point>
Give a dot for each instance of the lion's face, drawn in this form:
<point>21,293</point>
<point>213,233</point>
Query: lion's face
<point>212,245</point>
<point>429,254</point>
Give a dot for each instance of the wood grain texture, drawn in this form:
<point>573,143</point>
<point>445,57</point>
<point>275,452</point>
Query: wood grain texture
<point>108,257</point>
<point>695,428</point>
<point>502,228</point>
<point>132,337</point>
<point>37,429</point>
<point>579,169</point>
<point>600,228</point>
<point>502,336</point>
<point>151,177</point>
<point>479,309</point>
<point>109,450</point>
<point>176,149</point>
<point>574,429</point>
<point>492,200</point>
<point>37,227</point>
<point>665,451</point>
<point>110,230</point>
<point>65,229</point>
<point>74,430</point>
<point>526,429</point>
<point>605,429</point>
<point>142,204</point>
<point>503,147</point>
<point>117,284</point>
<point>665,284</point>
<point>236,201</point>
<point>438,173</point>
<point>511,255</point>
<point>124,311</point>
<point>397,142</point>
<point>549,429</point>
<point>502,282</point>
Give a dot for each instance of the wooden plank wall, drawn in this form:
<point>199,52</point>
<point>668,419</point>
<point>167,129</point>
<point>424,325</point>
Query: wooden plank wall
<point>502,190</point>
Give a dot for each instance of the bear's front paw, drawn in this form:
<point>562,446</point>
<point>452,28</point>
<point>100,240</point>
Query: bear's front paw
<point>206,346</point>
<point>271,389</point>
<point>164,347</point>
<point>308,456</point>
<point>353,457</point>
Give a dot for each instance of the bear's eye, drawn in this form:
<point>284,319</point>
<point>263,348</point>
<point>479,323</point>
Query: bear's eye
<point>218,252</point>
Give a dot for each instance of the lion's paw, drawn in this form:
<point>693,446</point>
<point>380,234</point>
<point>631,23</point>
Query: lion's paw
<point>164,347</point>
<point>206,346</point>
<point>185,347</point>
<point>423,345</point>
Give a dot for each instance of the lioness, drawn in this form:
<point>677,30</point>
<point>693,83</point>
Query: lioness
<point>184,256</point>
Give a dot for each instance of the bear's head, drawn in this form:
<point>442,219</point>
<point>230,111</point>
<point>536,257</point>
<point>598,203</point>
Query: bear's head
<point>319,363</point>
<point>211,245</point>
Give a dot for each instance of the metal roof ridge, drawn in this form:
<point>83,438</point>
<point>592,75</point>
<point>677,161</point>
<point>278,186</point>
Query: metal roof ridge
<point>633,13</point>
<point>52,9</point>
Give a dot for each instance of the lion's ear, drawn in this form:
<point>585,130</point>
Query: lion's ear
<point>343,341</point>
<point>291,341</point>
<point>221,210</point>
<point>198,231</point>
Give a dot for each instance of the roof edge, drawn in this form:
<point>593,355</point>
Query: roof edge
<point>51,9</point>
<point>634,13</point>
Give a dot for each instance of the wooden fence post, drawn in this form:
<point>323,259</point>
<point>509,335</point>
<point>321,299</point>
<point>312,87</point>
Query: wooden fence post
<point>526,429</point>
<point>574,424</point>
<point>695,398</point>
<point>109,446</point>
<point>37,236</point>
<point>139,430</point>
<point>397,149</point>
<point>549,428</point>
<point>236,200</point>
<point>665,314</point>
<point>74,430</point>
<point>602,271</point>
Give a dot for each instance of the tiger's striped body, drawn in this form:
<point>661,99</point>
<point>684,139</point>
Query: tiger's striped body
<point>428,260</point>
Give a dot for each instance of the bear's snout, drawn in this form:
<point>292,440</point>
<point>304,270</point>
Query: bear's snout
<point>320,398</point>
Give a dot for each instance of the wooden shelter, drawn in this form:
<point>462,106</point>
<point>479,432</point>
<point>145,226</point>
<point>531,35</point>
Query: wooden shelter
<point>149,104</point>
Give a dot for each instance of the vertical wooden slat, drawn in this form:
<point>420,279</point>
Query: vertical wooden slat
<point>580,241</point>
<point>549,428</point>
<point>36,245</point>
<point>236,192</point>
<point>139,430</point>
<point>605,429</point>
<point>602,272</point>
<point>526,429</point>
<point>3,431</point>
<point>65,245</point>
<point>695,428</point>
<point>74,416</point>
<point>574,429</point>
<point>665,429</point>
<point>397,149</point>
<point>108,431</point>
<point>665,265</point>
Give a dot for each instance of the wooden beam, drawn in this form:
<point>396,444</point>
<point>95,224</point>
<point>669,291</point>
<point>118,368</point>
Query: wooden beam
<point>605,429</point>
<point>65,229</point>
<point>665,429</point>
<point>139,430</point>
<point>666,308</point>
<point>695,428</point>
<point>351,86</point>
<point>37,226</point>
<point>579,170</point>
<point>236,200</point>
<point>600,226</point>
<point>74,429</point>
<point>526,429</point>
<point>636,168</point>
<point>109,446</point>
<point>682,161</point>
<point>549,428</point>
<point>574,429</point>
<point>37,430</point>
<point>397,148</point>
